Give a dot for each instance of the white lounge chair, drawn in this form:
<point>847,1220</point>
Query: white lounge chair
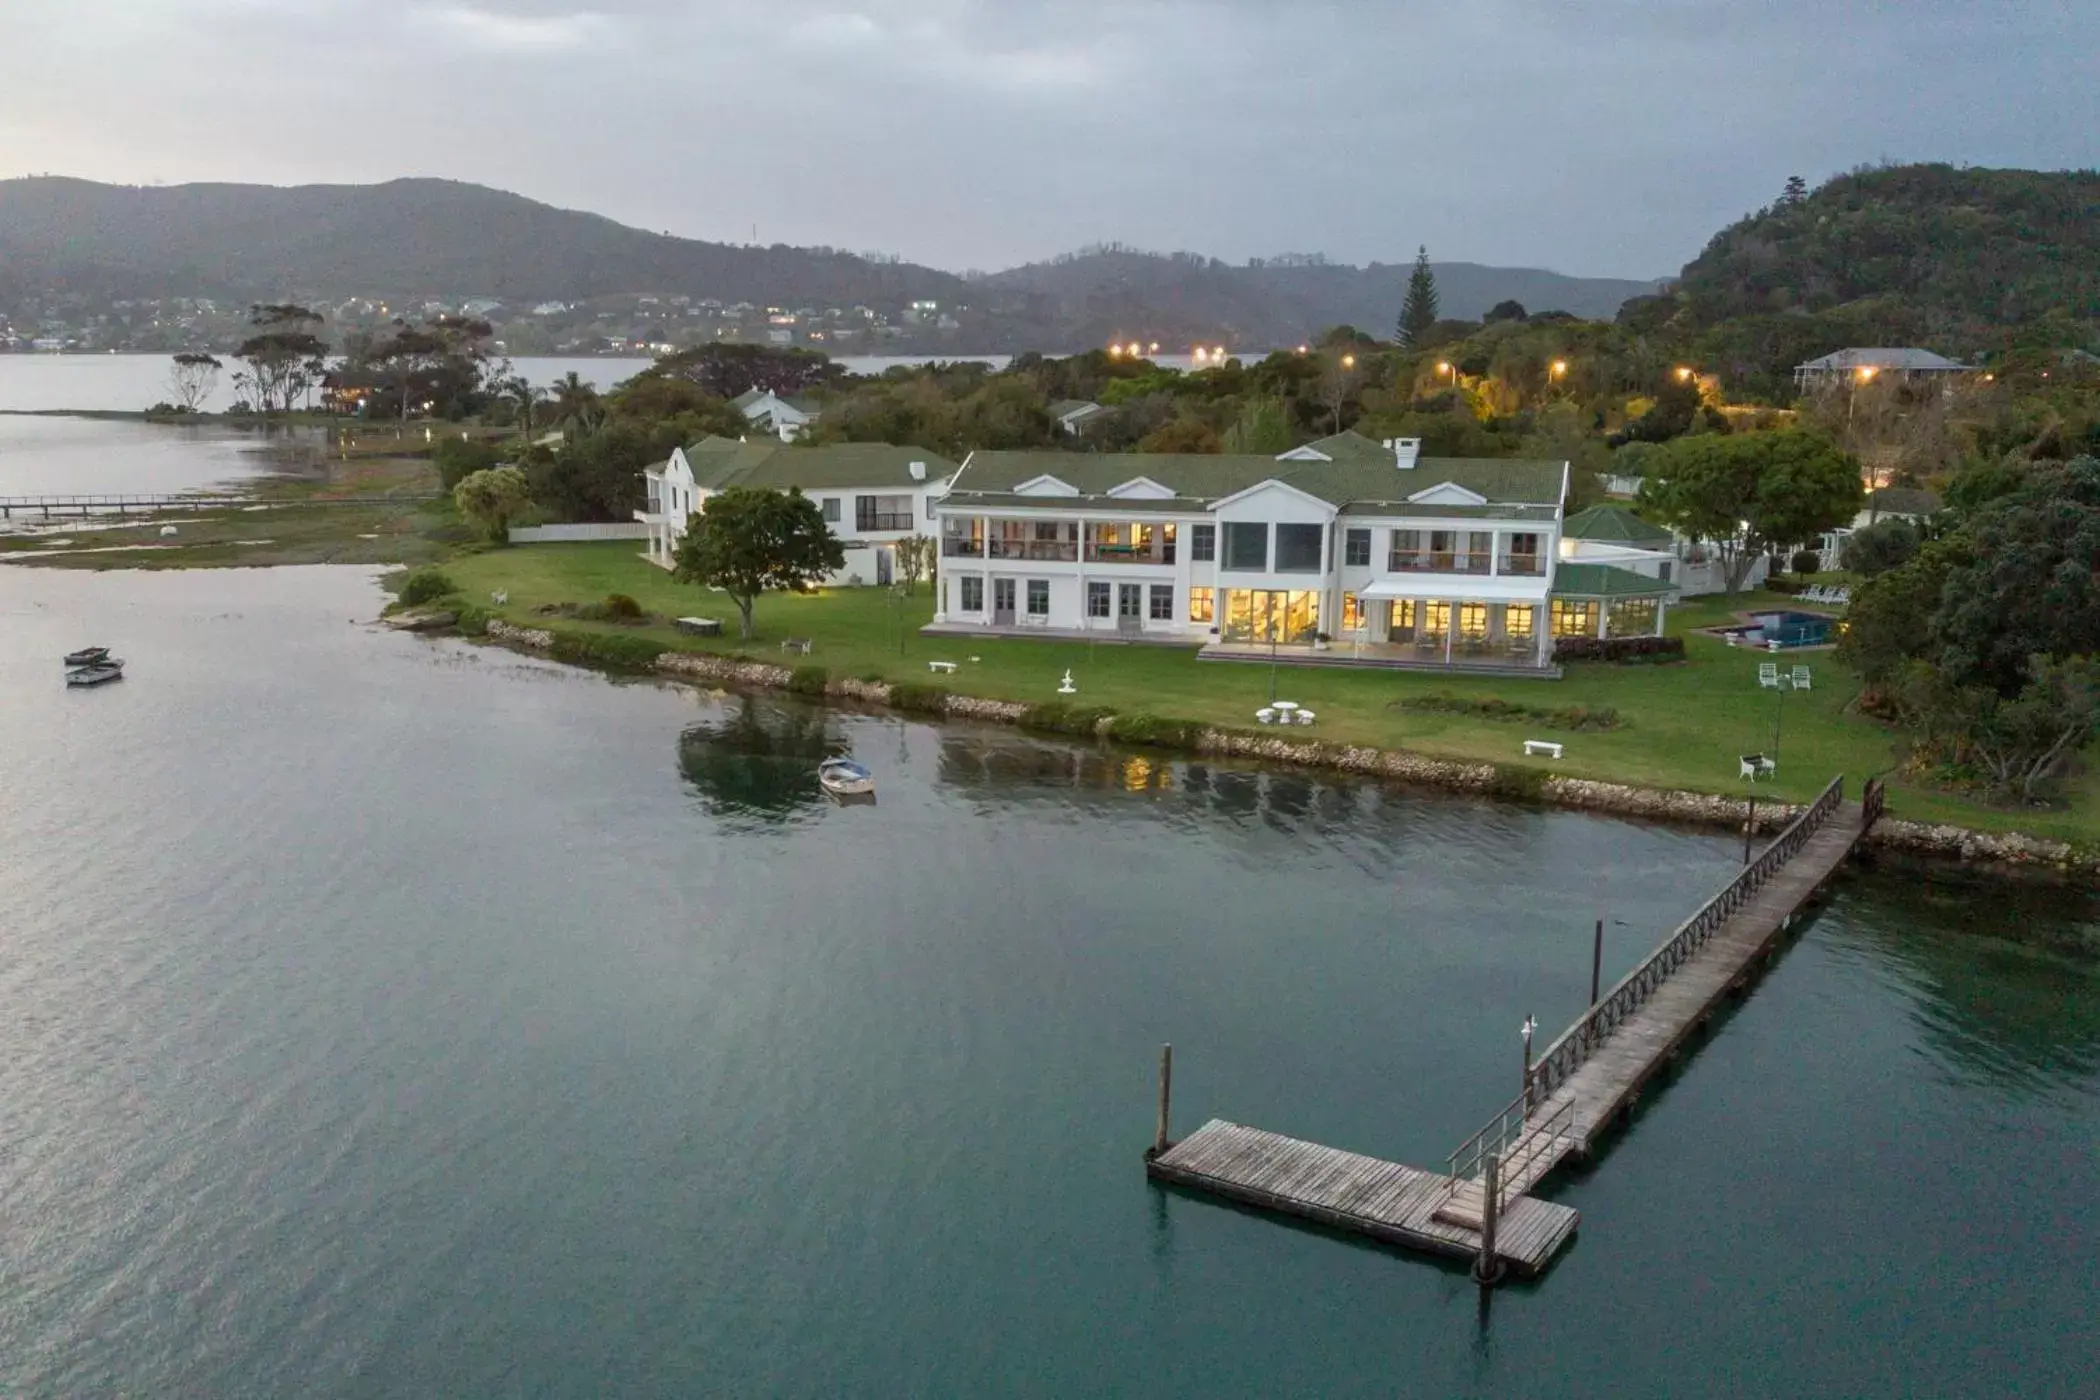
<point>1768,674</point>
<point>1801,678</point>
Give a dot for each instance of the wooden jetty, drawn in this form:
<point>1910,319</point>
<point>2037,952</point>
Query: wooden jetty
<point>123,504</point>
<point>1578,1089</point>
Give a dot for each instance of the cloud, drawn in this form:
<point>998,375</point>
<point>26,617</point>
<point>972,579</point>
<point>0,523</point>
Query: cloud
<point>492,31</point>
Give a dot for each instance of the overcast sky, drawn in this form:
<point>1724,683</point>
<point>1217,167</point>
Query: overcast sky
<point>1601,137</point>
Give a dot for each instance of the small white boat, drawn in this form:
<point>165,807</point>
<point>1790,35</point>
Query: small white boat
<point>87,656</point>
<point>842,777</point>
<point>98,673</point>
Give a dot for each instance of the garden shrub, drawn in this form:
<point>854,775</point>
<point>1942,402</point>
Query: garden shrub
<point>473,620</point>
<point>919,699</point>
<point>621,608</point>
<point>425,585</point>
<point>1582,717</point>
<point>1512,784</point>
<point>809,680</point>
<point>1806,561</point>
<point>606,651</point>
<point>1054,717</point>
<point>1621,649</point>
<point>1155,731</point>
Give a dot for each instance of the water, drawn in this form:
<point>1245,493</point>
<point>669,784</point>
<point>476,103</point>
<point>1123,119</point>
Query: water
<point>86,456</point>
<point>381,1016</point>
<point>133,383</point>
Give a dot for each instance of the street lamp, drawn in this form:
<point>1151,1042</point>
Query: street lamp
<point>1684,373</point>
<point>1449,370</point>
<point>1348,362</point>
<point>1531,1023</point>
<point>1555,372</point>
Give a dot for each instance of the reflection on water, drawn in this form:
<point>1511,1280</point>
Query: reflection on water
<point>758,759</point>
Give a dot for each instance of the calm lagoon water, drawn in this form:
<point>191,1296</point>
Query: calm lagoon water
<point>381,1016</point>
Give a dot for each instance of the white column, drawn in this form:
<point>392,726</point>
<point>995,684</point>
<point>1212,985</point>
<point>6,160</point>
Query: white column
<point>1662,608</point>
<point>1603,618</point>
<point>1450,627</point>
<point>1542,630</point>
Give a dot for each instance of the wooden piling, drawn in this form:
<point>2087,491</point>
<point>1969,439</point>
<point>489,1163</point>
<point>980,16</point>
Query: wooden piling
<point>1487,1269</point>
<point>1596,962</point>
<point>1749,826</point>
<point>1166,1097</point>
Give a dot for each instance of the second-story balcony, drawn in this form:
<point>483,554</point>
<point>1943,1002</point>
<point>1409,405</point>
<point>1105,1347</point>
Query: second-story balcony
<point>1157,552</point>
<point>1521,565</point>
<point>1042,551</point>
<point>1436,561</point>
<point>961,547</point>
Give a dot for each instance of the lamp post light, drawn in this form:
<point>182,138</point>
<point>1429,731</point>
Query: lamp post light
<point>1449,371</point>
<point>1531,1024</point>
<point>1556,372</point>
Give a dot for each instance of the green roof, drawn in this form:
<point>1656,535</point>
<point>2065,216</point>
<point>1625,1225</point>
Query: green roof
<point>1610,524</point>
<point>718,462</point>
<point>1360,484</point>
<point>1604,581</point>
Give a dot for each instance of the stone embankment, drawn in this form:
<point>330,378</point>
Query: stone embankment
<point>1617,799</point>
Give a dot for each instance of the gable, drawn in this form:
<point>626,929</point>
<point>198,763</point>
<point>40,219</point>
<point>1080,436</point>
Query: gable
<point>1447,493</point>
<point>1141,488</point>
<point>1274,500</point>
<point>678,469</point>
<point>1307,453</point>
<point>1045,486</point>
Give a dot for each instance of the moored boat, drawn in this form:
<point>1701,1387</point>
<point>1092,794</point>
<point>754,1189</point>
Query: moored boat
<point>87,656</point>
<point>99,673</point>
<point>842,777</point>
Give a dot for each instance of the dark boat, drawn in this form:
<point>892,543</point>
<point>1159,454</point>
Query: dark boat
<point>99,673</point>
<point>87,656</point>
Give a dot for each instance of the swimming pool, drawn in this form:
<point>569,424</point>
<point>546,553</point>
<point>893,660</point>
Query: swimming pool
<point>1781,631</point>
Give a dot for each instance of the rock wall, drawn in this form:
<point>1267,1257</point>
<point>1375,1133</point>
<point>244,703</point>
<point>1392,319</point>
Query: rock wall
<point>1619,799</point>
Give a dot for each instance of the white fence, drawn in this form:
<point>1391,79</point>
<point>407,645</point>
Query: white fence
<point>571,534</point>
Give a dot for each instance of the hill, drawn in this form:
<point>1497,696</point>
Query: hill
<point>406,236</point>
<point>1109,291</point>
<point>1951,251</point>
<point>450,241</point>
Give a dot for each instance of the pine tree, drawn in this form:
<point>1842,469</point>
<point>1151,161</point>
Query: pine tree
<point>1418,312</point>
<point>1796,192</point>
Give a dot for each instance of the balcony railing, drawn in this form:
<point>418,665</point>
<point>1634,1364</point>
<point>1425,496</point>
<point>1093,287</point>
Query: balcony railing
<point>953,548</point>
<point>1436,561</point>
<point>883,520</point>
<point>1523,565</point>
<point>1162,553</point>
<point>1046,551</point>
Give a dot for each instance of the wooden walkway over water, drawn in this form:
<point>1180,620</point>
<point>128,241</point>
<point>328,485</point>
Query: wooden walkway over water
<point>121,503</point>
<point>1577,1090</point>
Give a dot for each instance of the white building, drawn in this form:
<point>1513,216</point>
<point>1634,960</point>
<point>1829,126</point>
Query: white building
<point>871,494</point>
<point>763,408</point>
<point>1861,364</point>
<point>1615,536</point>
<point>1348,549</point>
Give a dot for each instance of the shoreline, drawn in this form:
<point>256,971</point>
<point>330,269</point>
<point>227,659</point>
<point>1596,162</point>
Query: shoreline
<point>2012,851</point>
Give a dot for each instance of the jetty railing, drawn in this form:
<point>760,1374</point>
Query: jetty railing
<point>1515,1137</point>
<point>121,503</point>
<point>1873,801</point>
<point>1581,1040</point>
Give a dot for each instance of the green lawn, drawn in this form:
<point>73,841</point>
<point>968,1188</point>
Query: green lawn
<point>1683,724</point>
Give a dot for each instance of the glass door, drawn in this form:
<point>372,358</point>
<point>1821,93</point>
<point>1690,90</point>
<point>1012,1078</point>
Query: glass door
<point>1002,602</point>
<point>1130,607</point>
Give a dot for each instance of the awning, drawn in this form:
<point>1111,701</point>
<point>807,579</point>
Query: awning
<point>1469,588</point>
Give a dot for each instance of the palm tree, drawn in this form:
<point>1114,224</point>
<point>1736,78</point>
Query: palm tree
<point>577,406</point>
<point>526,395</point>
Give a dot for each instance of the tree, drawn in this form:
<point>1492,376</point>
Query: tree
<point>192,379</point>
<point>1795,194</point>
<point>916,557</point>
<point>284,356</point>
<point>1263,427</point>
<point>2021,741</point>
<point>1504,311</point>
<point>597,476</point>
<point>492,499</point>
<point>1183,434</point>
<point>435,367</point>
<point>526,395</point>
<point>458,458</point>
<point>577,408</point>
<point>652,399</point>
<point>726,369</point>
<point>1418,312</point>
<point>1884,545</point>
<point>1751,492</point>
<point>748,540</point>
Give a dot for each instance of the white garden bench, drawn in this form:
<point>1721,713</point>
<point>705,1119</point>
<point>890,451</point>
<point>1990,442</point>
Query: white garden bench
<point>941,668</point>
<point>1534,747</point>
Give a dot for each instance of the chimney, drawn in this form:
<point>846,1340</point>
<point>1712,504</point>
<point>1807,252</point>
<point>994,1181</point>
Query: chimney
<point>1405,451</point>
<point>918,471</point>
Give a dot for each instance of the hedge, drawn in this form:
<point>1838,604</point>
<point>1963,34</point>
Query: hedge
<point>809,680</point>
<point>919,699</point>
<point>1619,649</point>
<point>1151,729</point>
<point>425,585</point>
<point>1053,717</point>
<point>473,619</point>
<point>614,653</point>
<point>1545,716</point>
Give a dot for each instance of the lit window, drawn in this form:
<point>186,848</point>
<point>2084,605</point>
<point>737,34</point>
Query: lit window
<point>1520,621</point>
<point>1573,619</point>
<point>1203,604</point>
<point>1472,620</point>
<point>1352,609</point>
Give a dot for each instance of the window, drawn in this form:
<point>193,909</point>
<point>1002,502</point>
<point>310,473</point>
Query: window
<point>1203,543</point>
<point>1039,597</point>
<point>1523,555</point>
<point>1520,621</point>
<point>882,513</point>
<point>1096,599</point>
<point>1662,572</point>
<point>831,510</point>
<point>1203,604</point>
<point>1352,609</point>
<point>1633,617</point>
<point>931,502</point>
<point>972,593</point>
<point>1160,605</point>
<point>1574,619</point>
<point>1247,545</point>
<point>1357,549</point>
<point>1402,626</point>
<point>1473,620</point>
<point>1407,551</point>
<point>1443,545</point>
<point>1298,549</point>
